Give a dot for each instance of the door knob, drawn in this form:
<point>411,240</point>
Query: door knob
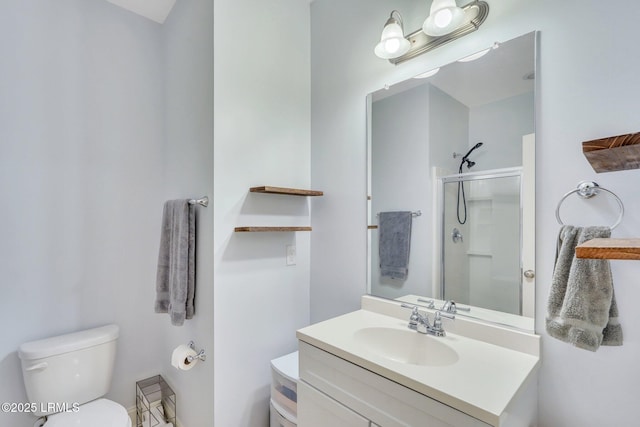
<point>529,274</point>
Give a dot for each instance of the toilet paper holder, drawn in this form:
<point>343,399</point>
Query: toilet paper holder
<point>201,354</point>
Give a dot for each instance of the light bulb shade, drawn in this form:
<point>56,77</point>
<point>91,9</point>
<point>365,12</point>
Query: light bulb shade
<point>427,74</point>
<point>474,56</point>
<point>392,42</point>
<point>444,17</point>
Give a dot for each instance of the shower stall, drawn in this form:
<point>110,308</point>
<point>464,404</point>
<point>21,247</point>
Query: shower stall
<point>481,256</point>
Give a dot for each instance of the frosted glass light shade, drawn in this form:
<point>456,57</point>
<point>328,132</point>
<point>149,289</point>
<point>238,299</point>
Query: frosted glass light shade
<point>444,17</point>
<point>392,42</point>
<point>427,74</point>
<point>475,56</point>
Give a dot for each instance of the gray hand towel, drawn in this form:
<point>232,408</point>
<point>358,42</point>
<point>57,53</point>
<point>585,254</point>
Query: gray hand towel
<point>175,280</point>
<point>582,308</point>
<point>394,234</point>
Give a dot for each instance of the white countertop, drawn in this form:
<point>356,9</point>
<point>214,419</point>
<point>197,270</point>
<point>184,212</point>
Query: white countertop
<point>481,383</point>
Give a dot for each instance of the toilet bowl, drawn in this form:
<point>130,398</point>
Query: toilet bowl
<point>67,376</point>
<point>98,413</point>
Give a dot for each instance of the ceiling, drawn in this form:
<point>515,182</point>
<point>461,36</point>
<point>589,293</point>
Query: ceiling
<point>156,10</point>
<point>498,75</point>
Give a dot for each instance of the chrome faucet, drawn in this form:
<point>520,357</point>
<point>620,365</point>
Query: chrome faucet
<point>420,323</point>
<point>451,307</point>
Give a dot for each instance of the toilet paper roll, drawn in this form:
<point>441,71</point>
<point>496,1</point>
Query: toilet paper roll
<point>179,357</point>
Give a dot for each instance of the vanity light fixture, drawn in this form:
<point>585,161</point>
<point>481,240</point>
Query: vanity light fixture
<point>392,41</point>
<point>444,17</point>
<point>446,22</point>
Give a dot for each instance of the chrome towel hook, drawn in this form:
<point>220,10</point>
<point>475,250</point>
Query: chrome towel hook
<point>586,190</point>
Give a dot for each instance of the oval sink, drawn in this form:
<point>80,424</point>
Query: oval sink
<point>406,346</point>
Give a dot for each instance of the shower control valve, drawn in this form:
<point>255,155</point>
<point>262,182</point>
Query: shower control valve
<point>456,236</point>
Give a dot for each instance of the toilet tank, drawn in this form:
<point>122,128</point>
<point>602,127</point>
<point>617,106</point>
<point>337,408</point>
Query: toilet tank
<point>68,369</point>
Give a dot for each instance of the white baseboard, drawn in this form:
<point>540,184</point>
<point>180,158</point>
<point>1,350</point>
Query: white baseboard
<point>132,415</point>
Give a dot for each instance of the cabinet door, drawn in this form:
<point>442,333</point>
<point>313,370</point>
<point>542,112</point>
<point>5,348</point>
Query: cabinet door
<point>316,409</point>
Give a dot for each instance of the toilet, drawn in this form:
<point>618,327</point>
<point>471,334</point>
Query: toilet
<point>67,376</point>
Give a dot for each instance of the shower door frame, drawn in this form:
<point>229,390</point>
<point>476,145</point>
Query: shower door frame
<point>476,176</point>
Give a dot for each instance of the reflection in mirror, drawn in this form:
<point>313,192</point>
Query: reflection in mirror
<point>482,254</point>
<point>457,147</point>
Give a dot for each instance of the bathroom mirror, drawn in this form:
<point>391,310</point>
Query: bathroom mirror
<point>457,151</point>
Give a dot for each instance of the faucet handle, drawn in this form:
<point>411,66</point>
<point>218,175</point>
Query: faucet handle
<point>437,322</point>
<point>444,314</point>
<point>430,303</point>
<point>414,320</point>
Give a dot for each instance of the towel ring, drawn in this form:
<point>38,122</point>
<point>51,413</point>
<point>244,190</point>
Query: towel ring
<point>586,190</point>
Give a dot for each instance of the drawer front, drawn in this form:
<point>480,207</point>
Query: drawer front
<point>277,420</point>
<point>316,409</point>
<point>382,401</point>
<point>285,394</point>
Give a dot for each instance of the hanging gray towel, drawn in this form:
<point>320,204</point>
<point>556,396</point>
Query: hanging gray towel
<point>582,307</point>
<point>175,280</point>
<point>394,233</point>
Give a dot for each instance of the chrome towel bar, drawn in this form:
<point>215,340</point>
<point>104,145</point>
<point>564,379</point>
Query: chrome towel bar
<point>586,190</point>
<point>203,201</point>
<point>413,214</point>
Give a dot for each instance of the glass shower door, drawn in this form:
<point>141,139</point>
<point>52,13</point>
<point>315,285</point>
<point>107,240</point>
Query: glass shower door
<point>482,240</point>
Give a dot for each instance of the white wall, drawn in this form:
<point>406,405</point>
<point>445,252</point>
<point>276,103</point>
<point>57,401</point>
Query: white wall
<point>188,160</point>
<point>400,157</point>
<point>81,154</point>
<point>261,107</point>
<point>584,93</point>
<point>403,157</point>
<point>448,128</point>
<point>501,125</point>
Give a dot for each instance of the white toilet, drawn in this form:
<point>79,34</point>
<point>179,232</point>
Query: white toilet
<point>63,372</point>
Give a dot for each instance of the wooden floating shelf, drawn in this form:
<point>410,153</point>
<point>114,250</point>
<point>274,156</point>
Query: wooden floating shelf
<point>609,249</point>
<point>614,153</point>
<point>267,229</point>
<point>288,191</point>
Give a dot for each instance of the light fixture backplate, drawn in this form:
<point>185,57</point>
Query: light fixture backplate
<point>475,14</point>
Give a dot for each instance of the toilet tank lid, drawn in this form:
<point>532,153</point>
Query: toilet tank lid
<point>69,342</point>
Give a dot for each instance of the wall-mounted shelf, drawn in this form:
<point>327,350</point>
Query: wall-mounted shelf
<point>288,191</point>
<point>277,190</point>
<point>267,229</point>
<point>609,249</point>
<point>614,153</point>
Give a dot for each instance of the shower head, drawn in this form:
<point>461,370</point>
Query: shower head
<point>475,147</point>
<point>470,164</point>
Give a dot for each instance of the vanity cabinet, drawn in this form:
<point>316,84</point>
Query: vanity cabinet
<point>335,392</point>
<point>320,410</point>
